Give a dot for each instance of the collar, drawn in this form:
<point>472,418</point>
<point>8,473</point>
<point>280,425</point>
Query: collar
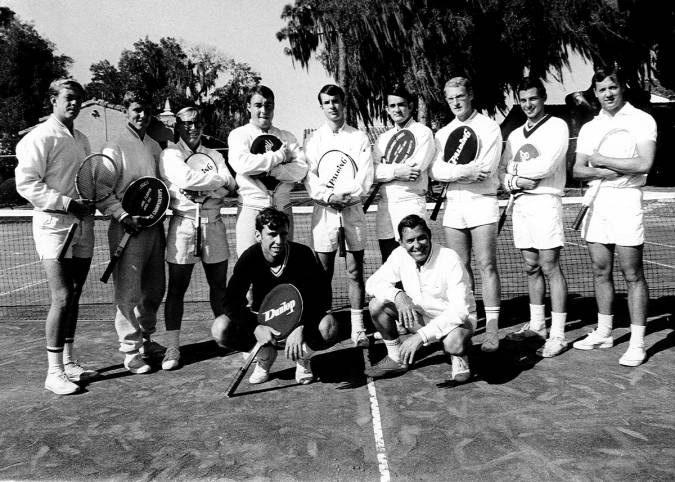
<point>468,119</point>
<point>432,253</point>
<point>61,125</point>
<point>528,131</point>
<point>339,129</point>
<point>627,109</point>
<point>258,130</point>
<point>279,270</point>
<point>135,133</point>
<point>185,148</point>
<point>408,123</point>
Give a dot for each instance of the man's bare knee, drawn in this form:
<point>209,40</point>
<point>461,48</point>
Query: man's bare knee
<point>219,329</point>
<point>455,342</point>
<point>328,329</point>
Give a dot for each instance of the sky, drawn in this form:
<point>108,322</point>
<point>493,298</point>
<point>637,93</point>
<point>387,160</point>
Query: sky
<point>92,30</point>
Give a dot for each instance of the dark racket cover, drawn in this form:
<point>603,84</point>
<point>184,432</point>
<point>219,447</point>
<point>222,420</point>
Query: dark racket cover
<point>260,145</point>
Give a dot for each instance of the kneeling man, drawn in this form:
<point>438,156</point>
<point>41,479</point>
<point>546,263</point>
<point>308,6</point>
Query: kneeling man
<point>436,302</point>
<point>274,260</point>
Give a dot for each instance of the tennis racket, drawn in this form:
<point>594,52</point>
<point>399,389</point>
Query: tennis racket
<point>200,162</point>
<point>618,143</point>
<point>260,145</point>
<point>462,147</point>
<point>281,309</point>
<point>94,181</point>
<point>337,170</point>
<point>147,197</point>
<point>399,149</point>
<point>526,152</point>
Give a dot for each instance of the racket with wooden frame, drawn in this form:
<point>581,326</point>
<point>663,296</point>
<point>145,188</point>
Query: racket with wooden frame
<point>203,163</point>
<point>94,182</point>
<point>281,309</point>
<point>262,144</point>
<point>399,149</point>
<point>526,152</point>
<point>617,143</point>
<point>147,197</point>
<point>338,170</point>
<point>462,147</point>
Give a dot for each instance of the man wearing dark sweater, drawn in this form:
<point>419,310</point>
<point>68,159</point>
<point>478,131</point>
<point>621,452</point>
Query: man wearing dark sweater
<point>274,260</point>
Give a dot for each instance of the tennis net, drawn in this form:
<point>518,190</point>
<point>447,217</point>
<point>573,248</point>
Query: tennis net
<point>23,284</point>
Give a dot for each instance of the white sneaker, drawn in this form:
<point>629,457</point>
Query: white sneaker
<point>59,383</point>
<point>593,340</point>
<point>554,346</point>
<point>261,373</point>
<point>171,359</point>
<point>77,373</point>
<point>633,357</point>
<point>303,371</point>
<point>135,364</point>
<point>460,368</point>
<point>360,339</point>
<point>526,333</point>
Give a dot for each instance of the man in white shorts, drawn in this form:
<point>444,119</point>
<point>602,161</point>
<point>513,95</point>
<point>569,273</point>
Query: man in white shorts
<point>49,157</point>
<point>286,164</point>
<point>138,277</point>
<point>187,187</point>
<point>472,211</point>
<point>335,134</point>
<point>614,221</point>
<point>533,169</point>
<point>436,302</point>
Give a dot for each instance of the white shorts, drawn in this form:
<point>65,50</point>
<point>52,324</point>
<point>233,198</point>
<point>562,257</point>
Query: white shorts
<point>537,221</point>
<point>180,240</point>
<point>465,209</point>
<point>615,217</point>
<point>325,224</point>
<point>51,229</point>
<point>390,213</point>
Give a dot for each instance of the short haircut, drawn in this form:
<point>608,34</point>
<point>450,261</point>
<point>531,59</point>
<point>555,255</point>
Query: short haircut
<point>614,72</point>
<point>65,83</point>
<point>531,82</point>
<point>263,90</point>
<point>399,90</point>
<point>185,111</point>
<point>459,82</point>
<point>134,96</point>
<point>411,221</point>
<point>272,218</point>
<point>332,90</point>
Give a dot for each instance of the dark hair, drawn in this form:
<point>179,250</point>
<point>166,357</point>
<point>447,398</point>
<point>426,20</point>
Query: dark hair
<point>614,72</point>
<point>65,83</point>
<point>411,221</point>
<point>134,96</point>
<point>531,82</point>
<point>333,90</point>
<point>272,218</point>
<point>263,90</point>
<point>399,90</point>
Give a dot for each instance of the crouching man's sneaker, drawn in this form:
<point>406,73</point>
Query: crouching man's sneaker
<point>386,368</point>
<point>460,368</point>
<point>303,371</point>
<point>264,360</point>
<point>593,341</point>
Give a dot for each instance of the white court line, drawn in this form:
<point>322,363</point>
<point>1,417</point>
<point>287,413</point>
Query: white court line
<point>660,244</point>
<point>380,448</point>
<point>23,287</point>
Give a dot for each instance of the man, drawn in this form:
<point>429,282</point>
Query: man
<point>472,211</point>
<point>335,134</point>
<point>614,222</point>
<point>436,302</point>
<point>286,164</point>
<point>274,260</point>
<point>538,183</point>
<point>187,188</point>
<point>138,277</point>
<point>48,159</point>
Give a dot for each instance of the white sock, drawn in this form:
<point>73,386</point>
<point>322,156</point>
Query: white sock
<point>537,317</point>
<point>637,335</point>
<point>558,325</point>
<point>128,356</point>
<point>605,324</point>
<point>54,359</point>
<point>491,319</point>
<point>173,338</point>
<point>357,320</point>
<point>68,351</point>
<point>393,349</point>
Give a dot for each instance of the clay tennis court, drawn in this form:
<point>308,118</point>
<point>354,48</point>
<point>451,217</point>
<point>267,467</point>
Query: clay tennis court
<point>579,416</point>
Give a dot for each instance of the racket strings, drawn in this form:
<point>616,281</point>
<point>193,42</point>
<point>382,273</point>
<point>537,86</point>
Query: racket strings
<point>95,179</point>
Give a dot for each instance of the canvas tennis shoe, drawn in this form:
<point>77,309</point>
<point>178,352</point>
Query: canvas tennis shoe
<point>525,333</point>
<point>264,360</point>
<point>386,367</point>
<point>360,339</point>
<point>59,383</point>
<point>633,357</point>
<point>135,364</point>
<point>593,340</point>
<point>554,346</point>
<point>460,368</point>
<point>490,342</point>
<point>77,373</point>
<point>303,371</point>
<point>151,349</point>
<point>171,359</point>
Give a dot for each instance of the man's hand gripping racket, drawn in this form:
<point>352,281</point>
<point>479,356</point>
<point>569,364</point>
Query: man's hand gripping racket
<point>280,310</point>
<point>200,162</point>
<point>262,144</point>
<point>526,152</point>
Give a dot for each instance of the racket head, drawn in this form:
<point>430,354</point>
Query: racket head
<point>400,147</point>
<point>265,143</point>
<point>526,152</point>
<point>462,146</point>
<point>201,162</point>
<point>281,309</point>
<point>337,170</point>
<point>96,178</point>
<point>148,197</point>
<point>619,143</point>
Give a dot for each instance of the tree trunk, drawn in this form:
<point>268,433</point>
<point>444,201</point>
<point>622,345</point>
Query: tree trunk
<point>422,111</point>
<point>343,80</point>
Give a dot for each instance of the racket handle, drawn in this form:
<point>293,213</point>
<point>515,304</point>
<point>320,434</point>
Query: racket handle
<point>66,243</point>
<point>505,214</point>
<point>371,198</point>
<point>580,217</point>
<point>115,257</point>
<point>198,233</point>
<point>439,203</point>
<point>239,376</point>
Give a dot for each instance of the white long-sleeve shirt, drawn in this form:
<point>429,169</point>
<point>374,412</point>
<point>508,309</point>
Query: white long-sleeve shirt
<point>551,138</point>
<point>177,174</point>
<point>425,149</point>
<point>292,169</point>
<point>490,137</point>
<point>440,289</point>
<point>349,140</point>
<point>49,157</point>
<point>133,158</point>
